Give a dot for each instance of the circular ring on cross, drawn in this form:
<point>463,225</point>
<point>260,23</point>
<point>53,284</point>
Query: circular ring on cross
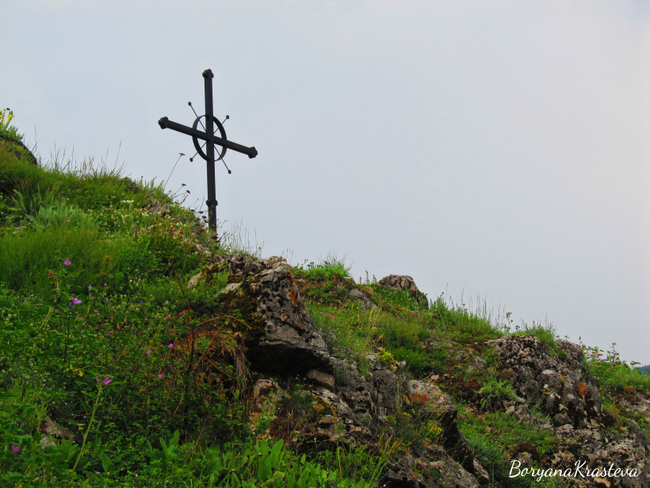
<point>220,151</point>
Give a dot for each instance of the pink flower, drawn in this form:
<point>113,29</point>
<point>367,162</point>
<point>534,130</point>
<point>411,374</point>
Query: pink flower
<point>67,262</point>
<point>171,345</point>
<point>15,448</point>
<point>75,302</point>
<point>160,375</point>
<point>106,381</point>
<point>148,351</point>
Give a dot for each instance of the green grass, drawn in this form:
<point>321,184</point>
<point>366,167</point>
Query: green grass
<point>327,269</point>
<point>495,436</point>
<point>614,373</point>
<point>464,325</point>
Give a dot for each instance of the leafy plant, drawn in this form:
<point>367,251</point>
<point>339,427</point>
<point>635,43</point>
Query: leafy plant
<point>495,392</point>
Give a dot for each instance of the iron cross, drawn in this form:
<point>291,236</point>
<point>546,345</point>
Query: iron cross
<point>211,138</point>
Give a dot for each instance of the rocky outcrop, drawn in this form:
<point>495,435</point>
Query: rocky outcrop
<point>557,384</point>
<point>347,408</point>
<point>280,336</point>
<point>318,401</point>
<point>429,397</point>
<point>555,381</point>
<point>405,282</point>
<point>354,411</point>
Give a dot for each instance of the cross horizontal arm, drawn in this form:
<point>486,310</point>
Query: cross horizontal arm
<point>165,123</point>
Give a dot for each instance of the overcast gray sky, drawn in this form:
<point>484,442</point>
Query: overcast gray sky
<point>487,148</point>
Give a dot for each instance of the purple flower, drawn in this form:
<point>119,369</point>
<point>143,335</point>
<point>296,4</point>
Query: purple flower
<point>148,351</point>
<point>75,302</point>
<point>15,448</point>
<point>107,381</point>
<point>67,262</point>
<point>160,375</point>
<point>171,345</point>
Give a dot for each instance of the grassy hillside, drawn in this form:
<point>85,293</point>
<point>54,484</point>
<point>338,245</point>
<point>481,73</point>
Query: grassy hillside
<point>100,385</point>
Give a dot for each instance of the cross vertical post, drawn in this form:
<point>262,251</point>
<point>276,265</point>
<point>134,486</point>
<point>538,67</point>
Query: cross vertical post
<point>211,136</point>
<point>209,129</point>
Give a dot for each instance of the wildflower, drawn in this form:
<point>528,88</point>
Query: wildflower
<point>75,301</point>
<point>107,381</point>
<point>160,375</point>
<point>148,351</point>
<point>15,448</point>
<point>67,262</point>
<point>171,345</point>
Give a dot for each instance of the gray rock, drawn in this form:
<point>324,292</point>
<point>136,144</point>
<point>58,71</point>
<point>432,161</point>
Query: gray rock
<point>280,335</point>
<point>562,388</point>
<point>322,379</point>
<point>564,391</point>
<point>405,282</point>
<point>426,394</point>
<point>362,297</point>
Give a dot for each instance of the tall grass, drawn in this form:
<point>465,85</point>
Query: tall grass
<point>99,331</point>
<point>468,324</point>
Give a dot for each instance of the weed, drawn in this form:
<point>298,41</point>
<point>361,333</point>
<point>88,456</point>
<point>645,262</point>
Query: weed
<point>495,392</point>
<point>8,131</point>
<point>611,371</point>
